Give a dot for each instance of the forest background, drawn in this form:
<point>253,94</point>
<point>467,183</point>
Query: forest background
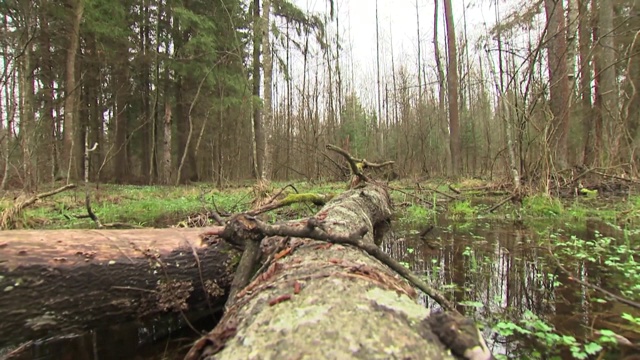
<point>177,91</point>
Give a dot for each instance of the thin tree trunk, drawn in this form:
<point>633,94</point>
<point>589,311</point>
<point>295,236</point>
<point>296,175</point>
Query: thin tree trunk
<point>419,53</point>
<point>607,84</point>
<point>572,36</point>
<point>267,67</point>
<point>559,82</point>
<point>587,115</point>
<point>120,163</point>
<point>442,118</point>
<point>452,83</point>
<point>10,107</point>
<point>70,156</point>
<point>258,127</point>
<point>27,118</point>
<point>378,86</point>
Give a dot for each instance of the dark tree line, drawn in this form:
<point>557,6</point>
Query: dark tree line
<point>174,91</point>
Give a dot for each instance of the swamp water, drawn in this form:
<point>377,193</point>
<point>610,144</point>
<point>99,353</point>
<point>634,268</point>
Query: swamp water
<point>500,273</point>
<point>505,277</point>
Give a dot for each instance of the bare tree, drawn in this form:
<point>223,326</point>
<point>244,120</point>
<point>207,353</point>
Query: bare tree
<point>559,81</point>
<point>452,83</point>
<point>584,32</point>
<point>70,157</point>
<point>259,141</point>
<point>442,121</point>
<point>267,107</point>
<point>607,85</point>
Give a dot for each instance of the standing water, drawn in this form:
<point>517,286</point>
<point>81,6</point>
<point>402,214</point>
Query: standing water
<point>510,279</point>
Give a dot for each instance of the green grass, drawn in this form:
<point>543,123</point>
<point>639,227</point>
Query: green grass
<point>137,205</point>
<point>161,206</point>
<point>462,209</point>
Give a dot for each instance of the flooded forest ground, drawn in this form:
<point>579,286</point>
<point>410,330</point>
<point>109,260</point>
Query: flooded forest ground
<point>544,276</point>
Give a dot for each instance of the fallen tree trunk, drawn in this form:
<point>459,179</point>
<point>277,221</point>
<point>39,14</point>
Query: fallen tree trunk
<point>318,300</point>
<point>61,281</point>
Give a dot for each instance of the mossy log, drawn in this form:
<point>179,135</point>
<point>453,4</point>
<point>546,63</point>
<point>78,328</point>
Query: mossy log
<point>315,300</point>
<point>56,282</point>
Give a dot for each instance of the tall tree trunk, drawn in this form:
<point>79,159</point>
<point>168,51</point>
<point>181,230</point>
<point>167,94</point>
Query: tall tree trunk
<point>120,163</point>
<point>585,83</point>
<point>27,118</point>
<point>598,150</point>
<point>145,82</point>
<point>166,143</point>
<point>452,83</point>
<point>632,115</point>
<point>607,85</point>
<point>71,155</point>
<point>559,88</point>
<point>419,53</point>
<point>267,67</point>
<point>378,85</point>
<point>442,118</point>
<point>259,140</point>
<point>10,112</point>
<point>48,78</point>
<point>93,103</point>
<point>573,13</point>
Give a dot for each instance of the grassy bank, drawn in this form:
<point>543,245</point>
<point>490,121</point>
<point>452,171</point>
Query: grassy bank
<point>162,206</point>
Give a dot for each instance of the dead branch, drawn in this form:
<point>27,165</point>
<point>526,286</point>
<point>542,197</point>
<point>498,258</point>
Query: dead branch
<point>316,199</point>
<point>245,227</point>
<point>452,197</point>
<point>8,215</point>
<point>500,203</point>
<point>592,286</point>
<point>357,165</point>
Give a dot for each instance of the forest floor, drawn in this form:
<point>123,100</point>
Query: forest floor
<point>416,202</point>
<point>469,238</point>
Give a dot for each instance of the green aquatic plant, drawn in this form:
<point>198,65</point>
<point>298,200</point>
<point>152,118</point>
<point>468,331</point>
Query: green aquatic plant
<point>462,209</point>
<point>552,343</point>
<point>416,214</point>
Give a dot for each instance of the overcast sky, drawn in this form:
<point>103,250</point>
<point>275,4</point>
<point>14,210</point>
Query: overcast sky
<point>398,23</point>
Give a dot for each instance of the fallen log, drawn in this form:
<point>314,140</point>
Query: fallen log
<point>328,300</point>
<point>61,281</point>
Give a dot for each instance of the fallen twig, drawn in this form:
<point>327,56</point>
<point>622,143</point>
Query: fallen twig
<point>500,203</point>
<point>8,215</point>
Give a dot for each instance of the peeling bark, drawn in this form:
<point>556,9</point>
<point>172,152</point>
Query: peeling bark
<point>321,301</point>
<point>63,281</point>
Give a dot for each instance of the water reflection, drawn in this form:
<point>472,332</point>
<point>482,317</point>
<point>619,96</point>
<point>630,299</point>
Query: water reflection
<point>494,270</point>
<point>501,270</point>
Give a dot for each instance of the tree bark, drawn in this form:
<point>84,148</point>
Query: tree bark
<point>559,81</point>
<point>442,119</point>
<point>607,83</point>
<point>27,118</point>
<point>62,281</point>
<point>327,302</point>
<point>586,77</point>
<point>259,142</point>
<point>166,144</point>
<point>70,156</point>
<point>455,143</point>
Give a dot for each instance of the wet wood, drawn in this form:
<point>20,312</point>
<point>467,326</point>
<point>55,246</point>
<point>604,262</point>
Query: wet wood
<point>61,281</point>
